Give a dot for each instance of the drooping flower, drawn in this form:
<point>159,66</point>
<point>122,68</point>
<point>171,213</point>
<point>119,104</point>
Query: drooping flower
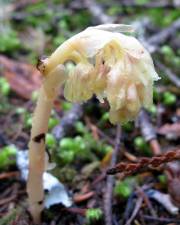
<point>110,65</point>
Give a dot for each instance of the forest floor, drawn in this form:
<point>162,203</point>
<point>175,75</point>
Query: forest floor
<point>81,140</point>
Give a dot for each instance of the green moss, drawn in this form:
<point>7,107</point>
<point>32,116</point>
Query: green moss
<point>169,99</point>
<point>9,218</point>
<point>153,110</point>
<point>4,87</point>
<point>7,156</point>
<point>50,140</point>
<point>9,41</point>
<point>93,215</point>
<point>128,127</point>
<point>66,105</point>
<point>124,188</point>
<point>142,146</point>
<point>162,179</point>
<point>52,123</point>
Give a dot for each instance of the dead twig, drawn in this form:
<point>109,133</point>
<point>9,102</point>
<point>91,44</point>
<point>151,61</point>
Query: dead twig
<point>163,220</point>
<point>136,209</point>
<point>162,36</point>
<point>97,12</point>
<point>159,4</point>
<point>110,181</point>
<point>74,210</point>
<point>83,197</point>
<point>131,168</point>
<point>67,121</point>
<point>9,174</point>
<point>172,77</point>
<point>148,131</point>
<point>7,200</point>
<point>147,201</point>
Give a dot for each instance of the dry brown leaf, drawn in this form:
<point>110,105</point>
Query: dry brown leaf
<point>22,77</point>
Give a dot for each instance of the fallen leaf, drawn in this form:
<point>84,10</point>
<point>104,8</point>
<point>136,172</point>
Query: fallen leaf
<point>22,77</point>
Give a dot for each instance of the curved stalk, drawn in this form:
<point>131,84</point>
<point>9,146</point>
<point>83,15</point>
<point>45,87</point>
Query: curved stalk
<point>47,94</point>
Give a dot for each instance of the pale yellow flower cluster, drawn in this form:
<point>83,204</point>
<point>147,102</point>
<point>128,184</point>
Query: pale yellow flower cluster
<point>109,64</point>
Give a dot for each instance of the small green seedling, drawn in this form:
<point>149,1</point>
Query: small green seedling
<point>105,117</point>
<point>167,50</point>
<point>4,87</point>
<point>128,127</point>
<point>124,188</point>
<point>80,128</point>
<point>169,99</point>
<point>52,123</point>
<point>28,120</point>
<point>72,147</point>
<point>93,215</point>
<point>153,110</point>
<point>162,179</point>
<point>141,145</point>
<point>50,140</point>
<point>66,106</point>
<point>7,156</point>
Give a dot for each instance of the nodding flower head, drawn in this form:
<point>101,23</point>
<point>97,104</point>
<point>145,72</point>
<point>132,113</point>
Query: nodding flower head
<point>110,65</point>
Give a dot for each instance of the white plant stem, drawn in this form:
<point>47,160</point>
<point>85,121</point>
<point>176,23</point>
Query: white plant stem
<point>47,94</point>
